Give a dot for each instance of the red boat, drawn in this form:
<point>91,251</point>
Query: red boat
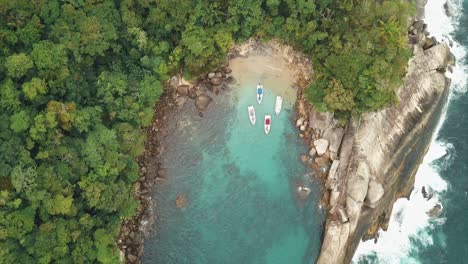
<point>267,124</point>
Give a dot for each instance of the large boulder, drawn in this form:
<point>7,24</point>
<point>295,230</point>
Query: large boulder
<point>202,101</point>
<point>334,243</point>
<point>332,176</point>
<point>192,93</point>
<point>359,182</point>
<point>230,80</point>
<point>419,25</point>
<point>132,258</point>
<point>429,43</point>
<point>216,81</point>
<point>375,191</point>
<point>321,146</point>
<point>183,90</point>
<point>312,152</point>
<point>451,60</point>
<point>334,137</point>
<point>300,122</point>
<point>435,211</point>
<point>319,121</point>
<point>211,75</point>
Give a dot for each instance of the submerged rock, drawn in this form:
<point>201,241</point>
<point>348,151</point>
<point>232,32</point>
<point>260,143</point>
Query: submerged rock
<point>303,192</point>
<point>435,211</point>
<point>181,201</point>
<point>305,158</point>
<point>312,152</point>
<point>162,173</point>
<point>202,101</point>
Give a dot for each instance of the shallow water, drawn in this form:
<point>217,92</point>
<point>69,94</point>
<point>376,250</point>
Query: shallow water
<point>240,183</point>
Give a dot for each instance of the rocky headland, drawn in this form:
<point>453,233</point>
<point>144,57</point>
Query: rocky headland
<point>368,164</point>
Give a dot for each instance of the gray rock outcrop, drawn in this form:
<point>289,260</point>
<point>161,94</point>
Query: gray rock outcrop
<point>321,145</point>
<point>375,191</point>
<point>216,81</point>
<point>375,149</point>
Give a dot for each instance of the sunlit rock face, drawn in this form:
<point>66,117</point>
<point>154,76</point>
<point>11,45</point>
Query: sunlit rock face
<point>374,155</point>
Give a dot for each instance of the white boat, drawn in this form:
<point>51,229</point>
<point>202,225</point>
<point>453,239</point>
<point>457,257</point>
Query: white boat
<point>259,93</point>
<point>267,124</point>
<point>279,102</point>
<point>251,114</point>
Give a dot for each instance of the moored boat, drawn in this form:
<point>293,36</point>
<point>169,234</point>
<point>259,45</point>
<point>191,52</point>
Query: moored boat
<point>267,124</point>
<point>259,93</point>
<point>278,104</point>
<point>251,111</point>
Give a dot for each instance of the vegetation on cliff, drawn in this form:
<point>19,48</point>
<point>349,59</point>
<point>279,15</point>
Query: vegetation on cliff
<point>78,80</point>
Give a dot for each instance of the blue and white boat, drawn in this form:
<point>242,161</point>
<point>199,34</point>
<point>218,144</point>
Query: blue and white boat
<point>259,93</point>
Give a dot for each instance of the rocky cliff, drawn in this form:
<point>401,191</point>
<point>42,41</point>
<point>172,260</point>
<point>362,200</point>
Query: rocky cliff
<point>372,161</point>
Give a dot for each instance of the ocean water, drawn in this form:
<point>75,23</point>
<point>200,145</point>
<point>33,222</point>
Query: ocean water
<point>240,184</point>
<point>413,237</point>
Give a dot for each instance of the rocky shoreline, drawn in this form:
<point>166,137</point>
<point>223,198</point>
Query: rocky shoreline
<point>177,93</point>
<point>367,165</point>
<point>360,182</point>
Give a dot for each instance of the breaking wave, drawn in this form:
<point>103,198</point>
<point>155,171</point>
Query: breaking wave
<point>410,224</point>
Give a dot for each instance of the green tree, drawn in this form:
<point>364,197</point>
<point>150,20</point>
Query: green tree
<point>34,88</point>
<point>24,179</point>
<point>18,65</point>
<point>337,98</point>
<point>20,121</point>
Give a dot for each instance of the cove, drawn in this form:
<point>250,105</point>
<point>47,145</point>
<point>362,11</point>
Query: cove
<point>240,184</point>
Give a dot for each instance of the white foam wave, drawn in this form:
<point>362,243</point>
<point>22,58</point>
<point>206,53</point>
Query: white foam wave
<point>409,221</point>
<point>443,27</point>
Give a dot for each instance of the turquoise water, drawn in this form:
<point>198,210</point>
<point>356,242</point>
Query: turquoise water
<point>240,185</point>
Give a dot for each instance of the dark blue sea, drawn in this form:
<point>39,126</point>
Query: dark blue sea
<point>413,236</point>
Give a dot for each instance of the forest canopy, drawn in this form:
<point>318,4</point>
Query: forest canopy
<point>79,79</point>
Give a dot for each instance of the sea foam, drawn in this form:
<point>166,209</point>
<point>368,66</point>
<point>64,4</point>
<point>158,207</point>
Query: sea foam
<point>409,224</point>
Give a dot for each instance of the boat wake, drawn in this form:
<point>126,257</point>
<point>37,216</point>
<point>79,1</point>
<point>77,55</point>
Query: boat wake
<point>413,221</point>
